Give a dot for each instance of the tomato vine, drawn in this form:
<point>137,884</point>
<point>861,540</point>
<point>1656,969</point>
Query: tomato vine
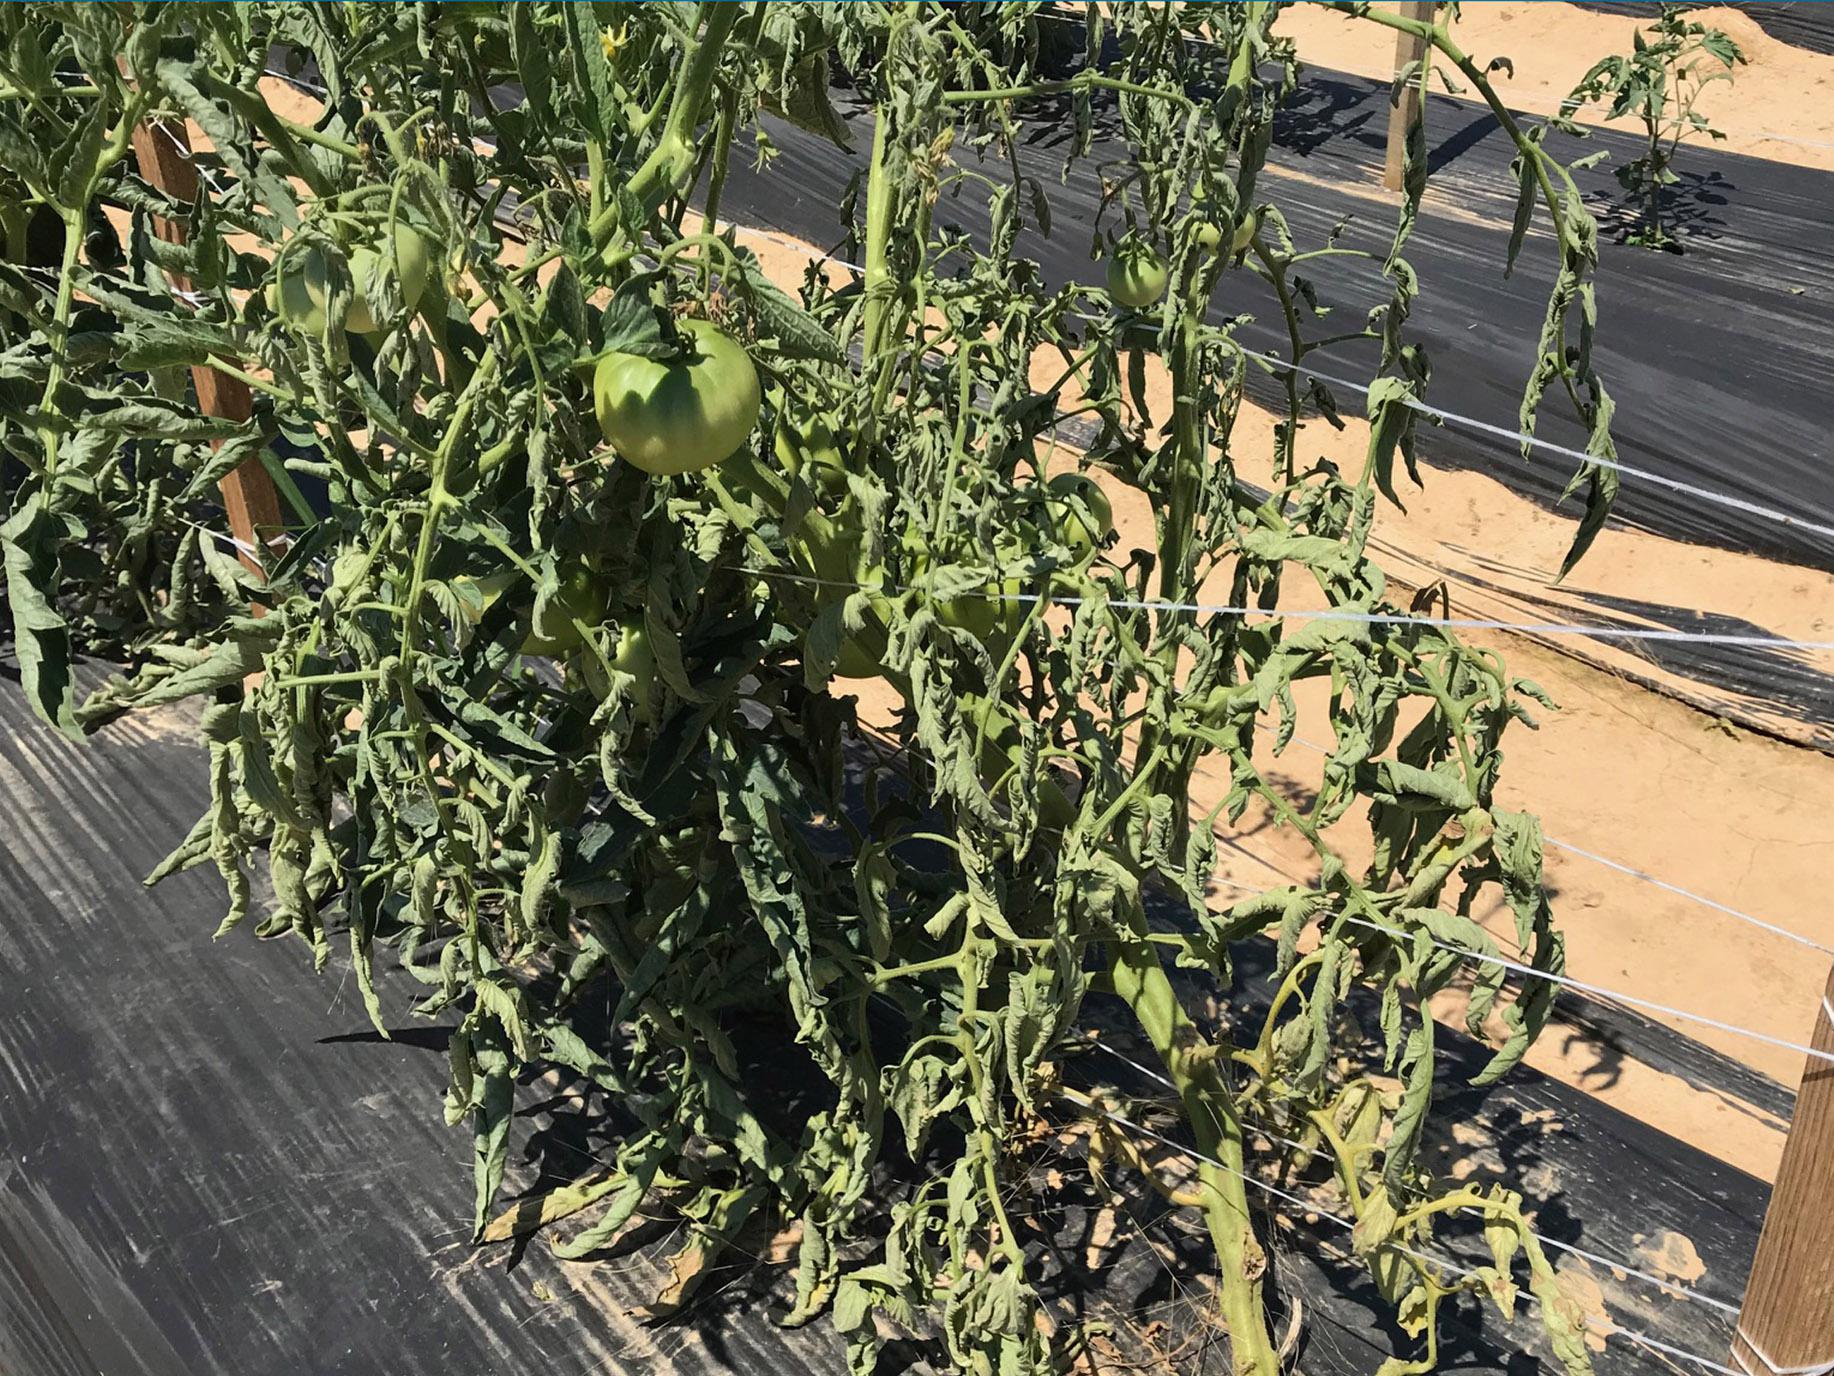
<point>561,726</point>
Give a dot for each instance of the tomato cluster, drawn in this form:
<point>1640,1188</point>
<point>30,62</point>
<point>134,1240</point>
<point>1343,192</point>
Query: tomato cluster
<point>302,288</point>
<point>694,410</point>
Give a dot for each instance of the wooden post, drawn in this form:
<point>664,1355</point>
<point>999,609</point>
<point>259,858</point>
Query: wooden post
<point>1787,1322</point>
<point>164,152</point>
<point>1409,48</point>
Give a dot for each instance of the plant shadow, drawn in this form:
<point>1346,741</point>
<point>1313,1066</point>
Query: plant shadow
<point>1690,210</point>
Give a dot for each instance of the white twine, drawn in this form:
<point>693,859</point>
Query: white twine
<point>1646,877</point>
<point>1524,437</point>
<point>1531,972</point>
<point>1349,615</point>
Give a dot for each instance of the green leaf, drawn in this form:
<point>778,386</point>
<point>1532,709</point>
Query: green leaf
<point>780,318</point>
<point>30,541</point>
<point>532,66</point>
<point>632,324</point>
<point>1391,418</point>
<point>594,90</point>
<point>638,1164</point>
<point>490,1135</point>
<point>76,160</point>
<point>1601,484</point>
<point>1527,186</point>
<point>505,1002</point>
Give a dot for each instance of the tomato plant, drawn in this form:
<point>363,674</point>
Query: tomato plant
<point>598,431</point>
<point>1659,83</point>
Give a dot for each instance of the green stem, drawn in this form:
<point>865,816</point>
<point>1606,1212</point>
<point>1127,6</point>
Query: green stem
<point>311,680</point>
<point>74,216</point>
<point>9,92</point>
<point>673,156</point>
<point>438,499</point>
<point>877,276</point>
<point>1209,1107</point>
<point>59,333</point>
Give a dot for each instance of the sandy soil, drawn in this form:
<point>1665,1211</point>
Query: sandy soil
<point>1780,105</point>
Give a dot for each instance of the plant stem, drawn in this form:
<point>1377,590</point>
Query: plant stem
<point>1080,82</point>
<point>673,156</point>
<point>1210,1108</point>
<point>73,217</point>
<point>877,277</point>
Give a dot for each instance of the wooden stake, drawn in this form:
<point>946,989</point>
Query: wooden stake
<point>1787,1322</point>
<point>164,153</point>
<point>1409,48</point>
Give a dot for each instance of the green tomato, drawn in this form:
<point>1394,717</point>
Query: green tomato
<point>631,654</point>
<point>863,655</point>
<point>1136,274</point>
<point>679,415</point>
<point>1082,529</point>
<point>298,295</point>
<point>806,445</point>
<point>1244,233</point>
<point>858,659</point>
<point>488,589</point>
<point>830,559</point>
<point>992,616</point>
<point>582,597</point>
<point>634,656</point>
<point>414,264</point>
<point>1209,237</point>
<point>829,556</point>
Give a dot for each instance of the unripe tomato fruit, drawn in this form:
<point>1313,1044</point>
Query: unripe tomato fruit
<point>631,655</point>
<point>1244,234</point>
<point>412,263</point>
<point>863,655</point>
<point>488,589</point>
<point>1136,274</point>
<point>679,415</point>
<point>805,444</point>
<point>1074,528</point>
<point>1209,237</point>
<point>992,616</point>
<point>304,286</point>
<point>297,296</point>
<point>857,660</point>
<point>552,631</point>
